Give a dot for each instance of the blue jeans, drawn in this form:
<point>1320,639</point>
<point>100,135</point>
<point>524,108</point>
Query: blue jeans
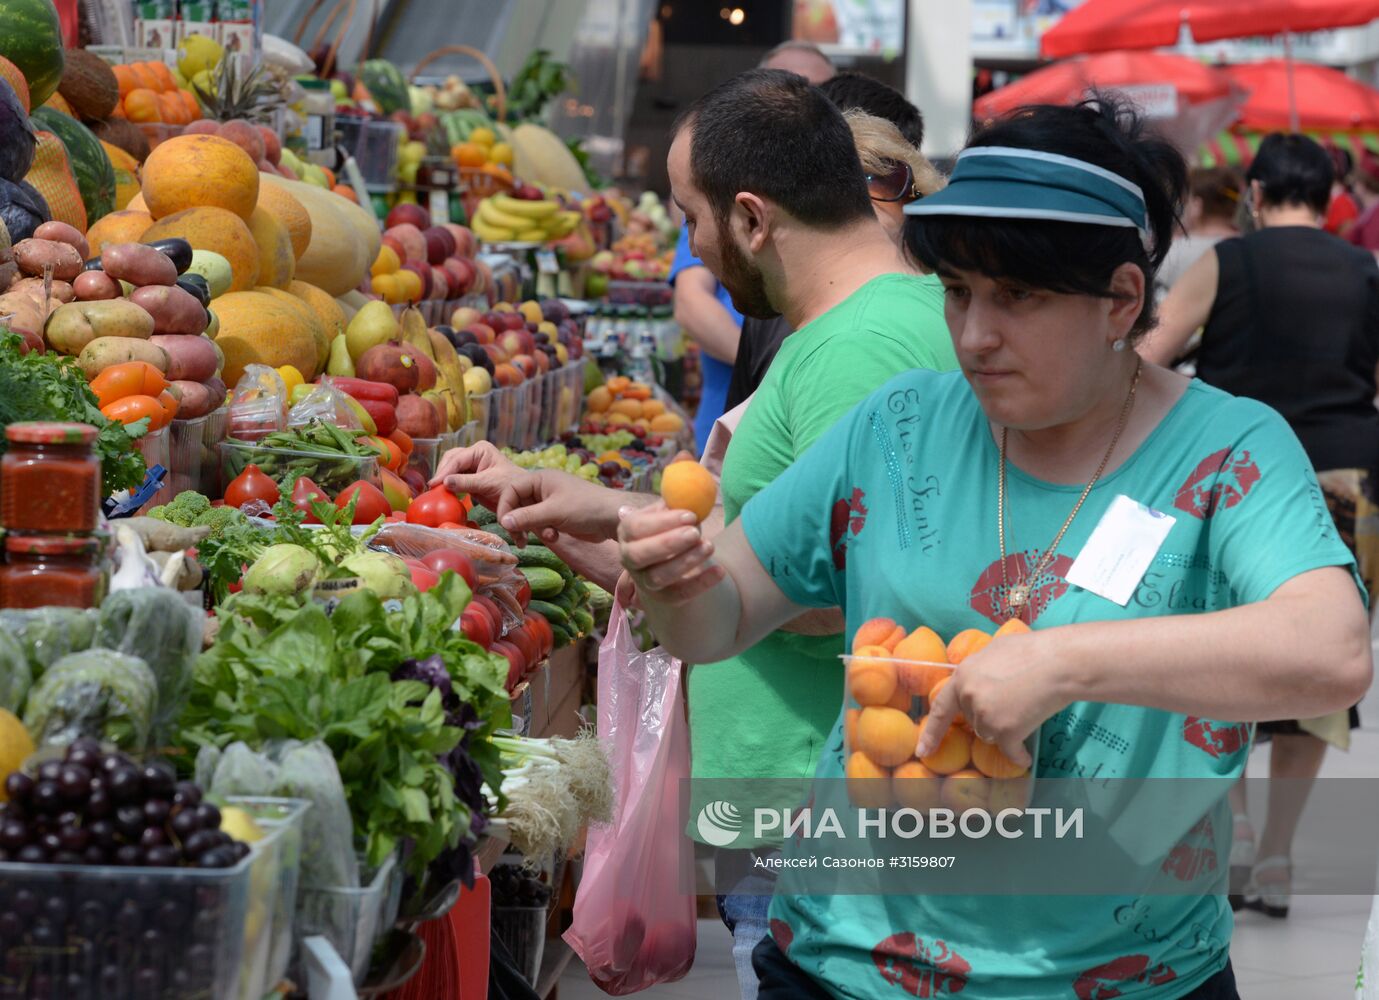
<point>744,913</point>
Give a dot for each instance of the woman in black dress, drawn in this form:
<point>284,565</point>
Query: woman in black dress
<point>1290,316</point>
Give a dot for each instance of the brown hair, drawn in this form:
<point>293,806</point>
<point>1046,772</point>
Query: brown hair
<point>1219,190</point>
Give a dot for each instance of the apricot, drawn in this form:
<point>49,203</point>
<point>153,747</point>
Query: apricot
<point>1013,627</point>
<point>617,384</point>
<point>875,632</point>
<point>1009,793</point>
<point>902,699</point>
<point>687,485</point>
<point>629,406</point>
<point>869,784</point>
<point>926,647</point>
<point>664,423</point>
<point>965,790</point>
<point>618,420</point>
<point>599,400</point>
<point>953,753</point>
<point>915,786</point>
<point>988,758</point>
<point>886,735</point>
<point>959,719</point>
<point>871,681</point>
<point>653,408</point>
<point>965,643</point>
<point>850,727</point>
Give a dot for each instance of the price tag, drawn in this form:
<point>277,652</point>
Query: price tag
<point>1120,549</point>
<point>546,262</point>
<point>439,203</point>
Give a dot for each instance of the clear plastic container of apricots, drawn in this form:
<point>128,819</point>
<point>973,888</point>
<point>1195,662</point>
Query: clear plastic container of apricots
<point>892,678</point>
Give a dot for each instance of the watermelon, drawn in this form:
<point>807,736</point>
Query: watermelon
<point>91,167</point>
<point>22,209</point>
<point>32,40</point>
<point>17,139</point>
<point>384,82</point>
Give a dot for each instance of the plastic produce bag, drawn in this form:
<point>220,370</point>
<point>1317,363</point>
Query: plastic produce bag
<point>293,769</point>
<point>49,634</point>
<point>258,404</point>
<point>97,693</point>
<point>159,627</point>
<point>15,673</point>
<point>326,404</point>
<point>634,916</point>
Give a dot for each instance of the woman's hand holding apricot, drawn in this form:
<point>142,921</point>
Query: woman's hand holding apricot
<point>666,555</point>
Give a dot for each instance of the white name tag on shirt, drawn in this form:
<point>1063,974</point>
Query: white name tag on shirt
<point>1120,549</point>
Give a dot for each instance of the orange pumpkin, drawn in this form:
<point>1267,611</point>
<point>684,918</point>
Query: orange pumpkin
<point>163,75</point>
<point>144,77</point>
<point>142,105</point>
<point>189,102</point>
<point>125,78</point>
<point>170,108</point>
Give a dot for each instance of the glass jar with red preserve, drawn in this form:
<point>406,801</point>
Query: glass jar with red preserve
<point>42,570</point>
<point>50,478</point>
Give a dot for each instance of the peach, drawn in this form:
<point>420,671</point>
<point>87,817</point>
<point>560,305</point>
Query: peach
<point>871,678</point>
<point>886,735</point>
<point>876,632</point>
<point>988,758</point>
<point>966,789</point>
<point>1013,627</point>
<point>869,785</point>
<point>953,753</point>
<point>958,719</point>
<point>915,786</point>
<point>965,643</point>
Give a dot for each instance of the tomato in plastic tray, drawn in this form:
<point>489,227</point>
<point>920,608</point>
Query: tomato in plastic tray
<point>495,567</point>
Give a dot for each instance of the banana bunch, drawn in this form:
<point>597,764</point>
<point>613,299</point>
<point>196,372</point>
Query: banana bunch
<point>502,218</point>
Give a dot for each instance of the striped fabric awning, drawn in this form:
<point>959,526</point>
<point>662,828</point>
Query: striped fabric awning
<point>1237,148</point>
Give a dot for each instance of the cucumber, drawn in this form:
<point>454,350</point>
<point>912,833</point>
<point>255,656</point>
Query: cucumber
<point>582,620</point>
<point>481,516</point>
<point>599,599</point>
<point>544,582</point>
<point>553,613</point>
<point>539,555</point>
<point>497,529</point>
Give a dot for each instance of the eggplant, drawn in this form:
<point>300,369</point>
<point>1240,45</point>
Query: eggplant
<point>94,264</point>
<point>197,286</point>
<point>177,249</point>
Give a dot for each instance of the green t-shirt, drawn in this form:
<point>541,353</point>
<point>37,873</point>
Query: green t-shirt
<point>893,513</point>
<point>768,712</point>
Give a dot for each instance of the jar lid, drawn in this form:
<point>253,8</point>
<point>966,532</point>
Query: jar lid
<point>52,545</point>
<point>50,432</point>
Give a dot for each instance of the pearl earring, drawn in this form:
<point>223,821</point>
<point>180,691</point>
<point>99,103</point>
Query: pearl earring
<point>1118,345</point>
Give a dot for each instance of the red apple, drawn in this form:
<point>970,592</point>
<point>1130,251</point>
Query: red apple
<point>511,343</point>
<point>466,245</point>
<point>422,271</point>
<point>495,353</point>
<point>395,244</point>
<point>272,148</point>
<point>483,333</point>
<point>446,237</point>
<point>440,283</point>
<point>407,213</point>
<point>462,276</point>
<point>514,321</point>
<point>525,364</point>
<point>413,243</point>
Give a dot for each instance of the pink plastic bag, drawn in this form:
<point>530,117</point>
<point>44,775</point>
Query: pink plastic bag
<point>634,917</point>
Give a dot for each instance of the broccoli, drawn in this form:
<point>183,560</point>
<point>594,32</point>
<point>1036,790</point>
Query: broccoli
<point>184,509</point>
<point>217,519</point>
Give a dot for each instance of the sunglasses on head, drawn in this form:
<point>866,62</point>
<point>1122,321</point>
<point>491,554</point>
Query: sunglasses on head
<point>896,184</point>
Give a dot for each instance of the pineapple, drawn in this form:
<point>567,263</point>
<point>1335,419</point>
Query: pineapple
<point>252,97</point>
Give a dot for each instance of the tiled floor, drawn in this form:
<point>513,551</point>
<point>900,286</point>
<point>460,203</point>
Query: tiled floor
<point>1312,955</point>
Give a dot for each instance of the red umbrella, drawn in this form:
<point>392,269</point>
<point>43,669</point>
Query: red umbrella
<point>1101,25</point>
<point>1324,98</point>
<point>1180,79</point>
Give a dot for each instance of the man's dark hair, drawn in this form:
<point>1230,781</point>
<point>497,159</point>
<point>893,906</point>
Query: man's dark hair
<point>1073,258</point>
<point>769,132</point>
<point>857,90</point>
<point>1293,170</point>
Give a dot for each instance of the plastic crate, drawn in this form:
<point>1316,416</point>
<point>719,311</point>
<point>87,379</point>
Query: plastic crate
<point>502,415</point>
<point>468,435</point>
<point>527,418</point>
<point>522,929</point>
<point>480,409</point>
<point>640,293</point>
<point>376,152</point>
<point>172,933</point>
<point>195,449</point>
<point>272,892</point>
<point>353,919</point>
<point>331,471</point>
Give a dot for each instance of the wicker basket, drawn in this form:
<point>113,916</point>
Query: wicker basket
<point>328,65</point>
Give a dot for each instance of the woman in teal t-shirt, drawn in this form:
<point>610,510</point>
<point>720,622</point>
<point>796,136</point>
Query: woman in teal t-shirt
<point>963,500</point>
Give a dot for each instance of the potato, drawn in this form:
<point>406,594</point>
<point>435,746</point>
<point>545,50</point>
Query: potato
<point>174,310</point>
<point>189,358</point>
<point>138,264</point>
<point>74,325</point>
<point>60,291</point>
<point>26,313</point>
<point>198,399</point>
<point>33,255</point>
<point>220,355</point>
<point>92,286</point>
<point>61,232</point>
<point>103,352</point>
<point>9,270</point>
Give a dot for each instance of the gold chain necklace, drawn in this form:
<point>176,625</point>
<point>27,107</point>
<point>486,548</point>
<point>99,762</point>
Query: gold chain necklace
<point>1018,596</point>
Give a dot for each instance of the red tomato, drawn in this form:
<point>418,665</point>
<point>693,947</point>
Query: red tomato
<point>372,503</point>
<point>304,494</point>
<point>495,613</point>
<point>424,578</point>
<point>516,663</point>
<point>477,628</point>
<point>524,593</point>
<point>526,642</point>
<point>542,630</point>
<point>251,484</point>
<point>435,507</point>
<point>441,560</point>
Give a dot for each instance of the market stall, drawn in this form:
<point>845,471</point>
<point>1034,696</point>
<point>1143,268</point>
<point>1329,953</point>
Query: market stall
<point>249,656</point>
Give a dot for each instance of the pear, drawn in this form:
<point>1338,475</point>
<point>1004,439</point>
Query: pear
<point>477,381</point>
<point>372,325</point>
<point>414,332</point>
<point>340,364</point>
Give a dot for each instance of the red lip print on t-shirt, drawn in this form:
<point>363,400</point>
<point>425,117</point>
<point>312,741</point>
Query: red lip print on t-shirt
<point>1220,739</point>
<point>1104,982</point>
<point>782,934</point>
<point>1220,480</point>
<point>921,971</point>
<point>1194,855</point>
<point>988,596</point>
<point>848,515</point>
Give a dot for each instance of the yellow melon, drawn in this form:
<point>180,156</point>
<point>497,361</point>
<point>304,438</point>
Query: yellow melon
<point>289,213</point>
<point>126,174</point>
<point>128,226</point>
<point>260,329</point>
<point>277,263</point>
<point>329,312</point>
<point>199,171</point>
<point>344,238</point>
<point>307,315</point>
<point>137,204</point>
<point>214,229</point>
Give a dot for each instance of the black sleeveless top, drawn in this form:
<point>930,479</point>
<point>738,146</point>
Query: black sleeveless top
<point>1295,325</point>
